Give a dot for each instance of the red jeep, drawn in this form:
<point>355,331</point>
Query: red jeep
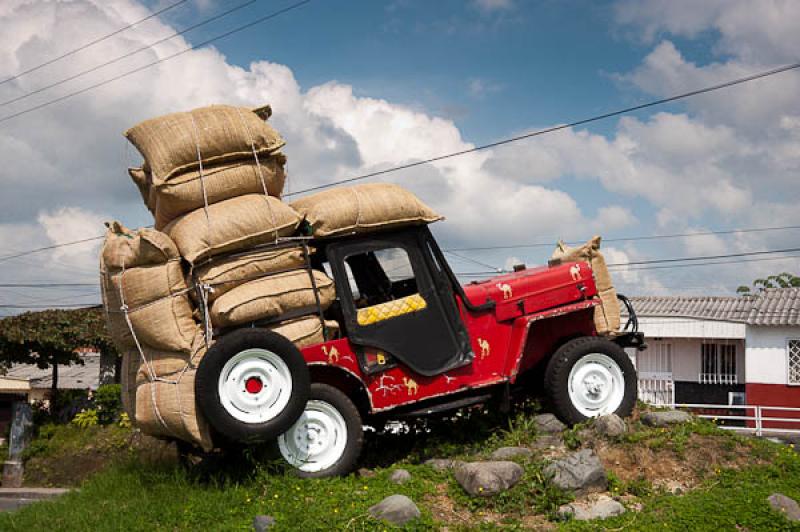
<point>412,341</point>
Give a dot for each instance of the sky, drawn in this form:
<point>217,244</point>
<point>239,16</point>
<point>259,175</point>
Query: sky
<point>358,86</point>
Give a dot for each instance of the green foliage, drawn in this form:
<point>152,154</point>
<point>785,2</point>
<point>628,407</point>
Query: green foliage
<point>85,418</point>
<point>572,436</point>
<point>108,401</point>
<point>781,280</point>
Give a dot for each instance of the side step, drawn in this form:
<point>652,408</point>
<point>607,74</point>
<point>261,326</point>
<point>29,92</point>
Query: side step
<point>444,407</point>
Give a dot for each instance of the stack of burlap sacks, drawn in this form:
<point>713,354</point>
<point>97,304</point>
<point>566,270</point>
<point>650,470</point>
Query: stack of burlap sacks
<point>606,314</point>
<point>213,178</point>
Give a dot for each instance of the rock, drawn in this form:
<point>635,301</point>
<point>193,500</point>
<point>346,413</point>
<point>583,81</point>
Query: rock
<point>581,472</point>
<point>484,479</point>
<point>548,441</point>
<point>611,425</point>
<point>785,505</point>
<point>601,508</point>
<point>400,476</point>
<point>441,464</point>
<point>396,509</point>
<point>548,423</point>
<point>665,417</point>
<point>262,522</point>
<point>365,473</point>
<point>507,453</point>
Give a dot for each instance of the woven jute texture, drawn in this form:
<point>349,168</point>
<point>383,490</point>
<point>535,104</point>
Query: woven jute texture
<point>143,182</point>
<point>270,297</point>
<point>232,225</point>
<point>184,192</point>
<point>306,331</point>
<point>588,252</point>
<point>180,142</point>
<point>169,409</point>
<point>363,208</point>
<point>227,273</point>
<point>124,248</point>
<point>606,314</point>
<point>145,284</point>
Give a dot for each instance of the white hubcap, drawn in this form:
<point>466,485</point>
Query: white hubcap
<point>596,385</point>
<point>255,386</point>
<point>317,440</point>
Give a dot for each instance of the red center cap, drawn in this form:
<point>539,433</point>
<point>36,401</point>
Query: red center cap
<point>253,385</point>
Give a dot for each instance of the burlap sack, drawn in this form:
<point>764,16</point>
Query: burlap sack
<point>143,182</point>
<point>270,297</point>
<point>169,409</point>
<point>129,249</point>
<point>184,192</point>
<point>232,225</point>
<point>306,331</point>
<point>588,252</point>
<point>227,273</point>
<point>606,314</point>
<point>170,144</point>
<point>363,208</point>
<point>146,284</point>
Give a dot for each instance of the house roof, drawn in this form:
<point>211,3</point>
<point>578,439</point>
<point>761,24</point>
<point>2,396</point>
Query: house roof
<point>73,377</point>
<point>773,306</point>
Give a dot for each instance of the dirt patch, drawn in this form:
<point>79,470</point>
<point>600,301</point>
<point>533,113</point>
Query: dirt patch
<point>447,514</point>
<point>69,465</point>
<point>666,468</point>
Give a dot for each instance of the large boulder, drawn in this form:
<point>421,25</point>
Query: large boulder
<point>509,453</point>
<point>581,472</point>
<point>600,508</point>
<point>785,505</point>
<point>610,425</point>
<point>396,509</point>
<point>664,418</point>
<point>548,424</point>
<point>484,479</point>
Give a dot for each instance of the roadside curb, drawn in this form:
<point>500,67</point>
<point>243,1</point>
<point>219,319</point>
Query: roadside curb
<point>32,493</point>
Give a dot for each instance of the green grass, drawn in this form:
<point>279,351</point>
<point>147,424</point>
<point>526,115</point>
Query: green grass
<point>134,493</point>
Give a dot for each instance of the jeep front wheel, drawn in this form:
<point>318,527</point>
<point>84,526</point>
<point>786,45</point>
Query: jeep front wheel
<point>590,377</point>
<point>327,438</point>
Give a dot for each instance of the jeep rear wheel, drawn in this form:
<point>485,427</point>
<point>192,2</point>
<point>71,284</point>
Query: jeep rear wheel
<point>252,385</point>
<point>590,377</point>
<point>327,438</point>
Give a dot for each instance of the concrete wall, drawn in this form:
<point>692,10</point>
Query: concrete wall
<point>686,356</point>
<point>767,356</point>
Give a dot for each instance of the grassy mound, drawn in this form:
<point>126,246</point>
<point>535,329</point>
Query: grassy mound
<point>691,476</point>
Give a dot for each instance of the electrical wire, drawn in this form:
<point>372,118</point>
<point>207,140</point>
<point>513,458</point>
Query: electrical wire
<point>92,43</point>
<point>46,248</point>
<point>128,54</point>
<point>156,62</point>
<point>552,129</point>
<point>637,238</point>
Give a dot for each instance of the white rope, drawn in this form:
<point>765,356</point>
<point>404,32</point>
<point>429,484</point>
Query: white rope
<point>260,172</point>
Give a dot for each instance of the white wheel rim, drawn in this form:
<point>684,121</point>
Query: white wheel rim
<point>317,440</point>
<point>596,385</point>
<point>255,386</point>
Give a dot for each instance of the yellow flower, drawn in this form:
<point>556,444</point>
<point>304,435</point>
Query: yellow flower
<point>275,496</point>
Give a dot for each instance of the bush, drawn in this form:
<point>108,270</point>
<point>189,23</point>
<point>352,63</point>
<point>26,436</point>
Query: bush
<point>86,418</point>
<point>108,403</point>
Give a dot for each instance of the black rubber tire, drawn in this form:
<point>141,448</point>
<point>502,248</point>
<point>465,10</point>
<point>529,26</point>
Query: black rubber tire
<point>556,377</point>
<point>207,388</point>
<point>355,432</point>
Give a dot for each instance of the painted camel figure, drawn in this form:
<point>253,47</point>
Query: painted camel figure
<point>485,347</point>
<point>506,289</point>
<point>575,272</point>
<point>411,386</point>
<point>332,354</point>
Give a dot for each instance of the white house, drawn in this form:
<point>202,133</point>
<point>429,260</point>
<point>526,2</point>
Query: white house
<point>721,350</point>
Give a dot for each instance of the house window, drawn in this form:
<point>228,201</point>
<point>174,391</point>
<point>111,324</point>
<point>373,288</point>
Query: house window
<point>793,352</point>
<point>718,364</point>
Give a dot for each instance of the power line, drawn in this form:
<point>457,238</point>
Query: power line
<point>72,305</point>
<point>46,248</point>
<point>479,263</point>
<point>705,257</point>
<point>156,62</point>
<point>636,238</point>
<point>128,54</point>
<point>92,43</point>
<point>46,285</point>
<point>552,129</point>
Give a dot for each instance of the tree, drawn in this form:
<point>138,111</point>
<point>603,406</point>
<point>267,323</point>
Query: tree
<point>51,337</point>
<point>781,280</point>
